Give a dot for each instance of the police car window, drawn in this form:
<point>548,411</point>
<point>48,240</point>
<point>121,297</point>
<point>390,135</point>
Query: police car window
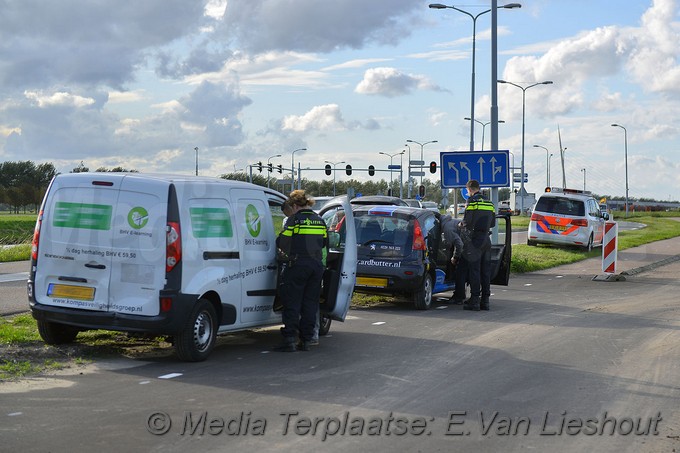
<point>558,205</point>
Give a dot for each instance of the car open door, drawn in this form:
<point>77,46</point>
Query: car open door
<point>341,262</point>
<point>501,250</point>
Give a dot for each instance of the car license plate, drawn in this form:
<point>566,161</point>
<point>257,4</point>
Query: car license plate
<point>558,227</point>
<point>70,291</point>
<point>372,282</point>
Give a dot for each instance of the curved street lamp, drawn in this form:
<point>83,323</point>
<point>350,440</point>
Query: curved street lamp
<point>625,141</point>
<point>391,156</point>
<point>269,160</point>
<point>474,38</point>
<point>483,127</point>
<point>422,145</point>
<point>334,164</point>
<point>547,164</point>
<point>524,92</point>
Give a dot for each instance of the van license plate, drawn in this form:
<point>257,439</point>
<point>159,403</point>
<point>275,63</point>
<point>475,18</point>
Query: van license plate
<point>558,227</point>
<point>70,291</point>
<point>372,282</point>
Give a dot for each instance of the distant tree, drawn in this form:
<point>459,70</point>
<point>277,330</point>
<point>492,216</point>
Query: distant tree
<point>81,168</point>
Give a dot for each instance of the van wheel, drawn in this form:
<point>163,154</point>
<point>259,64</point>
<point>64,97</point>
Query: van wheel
<point>589,246</point>
<point>195,342</point>
<point>55,333</point>
<point>531,243</point>
<point>423,298</point>
<point>324,325</point>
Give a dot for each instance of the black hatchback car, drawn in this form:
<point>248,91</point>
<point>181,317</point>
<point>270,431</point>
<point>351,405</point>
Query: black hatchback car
<point>401,252</point>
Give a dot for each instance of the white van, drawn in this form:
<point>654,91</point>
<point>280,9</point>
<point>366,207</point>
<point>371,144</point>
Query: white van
<point>186,257</point>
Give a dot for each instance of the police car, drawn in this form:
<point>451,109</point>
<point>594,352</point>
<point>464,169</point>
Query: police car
<point>567,217</point>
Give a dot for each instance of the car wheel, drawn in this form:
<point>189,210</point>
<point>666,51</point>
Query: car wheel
<point>55,333</point>
<point>531,243</point>
<point>589,246</point>
<point>324,324</point>
<point>197,339</point>
<point>423,297</point>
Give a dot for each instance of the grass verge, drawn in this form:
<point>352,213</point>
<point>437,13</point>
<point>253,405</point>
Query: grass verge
<point>23,353</point>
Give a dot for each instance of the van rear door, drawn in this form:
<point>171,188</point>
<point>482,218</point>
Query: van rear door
<point>138,246</point>
<point>73,264</point>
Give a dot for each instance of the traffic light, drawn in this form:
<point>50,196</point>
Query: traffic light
<point>259,167</point>
<point>348,170</point>
<point>328,169</point>
<point>271,167</point>
<point>280,167</point>
<point>421,191</point>
<point>371,170</point>
<point>433,167</point>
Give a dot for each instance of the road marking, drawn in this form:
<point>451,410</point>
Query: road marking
<point>4,278</point>
<point>170,376</point>
<point>379,323</point>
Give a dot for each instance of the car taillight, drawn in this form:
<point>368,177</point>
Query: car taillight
<point>36,237</point>
<point>173,249</point>
<point>536,217</point>
<point>579,222</point>
<point>418,238</point>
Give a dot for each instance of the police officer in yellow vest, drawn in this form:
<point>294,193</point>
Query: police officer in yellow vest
<point>302,240</point>
<point>480,217</point>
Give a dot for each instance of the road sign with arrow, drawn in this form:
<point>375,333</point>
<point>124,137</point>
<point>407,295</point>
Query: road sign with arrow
<point>490,168</point>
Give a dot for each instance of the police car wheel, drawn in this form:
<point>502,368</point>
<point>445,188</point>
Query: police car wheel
<point>197,339</point>
<point>423,297</point>
<point>324,325</point>
<point>589,246</point>
<point>55,333</point>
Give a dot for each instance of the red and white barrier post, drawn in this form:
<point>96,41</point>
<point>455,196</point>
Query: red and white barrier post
<point>609,247</point>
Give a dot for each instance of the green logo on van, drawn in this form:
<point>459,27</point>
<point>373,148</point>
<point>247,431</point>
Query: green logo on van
<point>138,217</point>
<point>253,221</point>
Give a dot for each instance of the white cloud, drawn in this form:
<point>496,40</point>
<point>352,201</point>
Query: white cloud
<point>390,82</point>
<point>58,98</point>
<point>323,118</point>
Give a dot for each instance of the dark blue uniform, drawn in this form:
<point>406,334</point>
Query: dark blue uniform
<point>480,217</point>
<point>302,240</point>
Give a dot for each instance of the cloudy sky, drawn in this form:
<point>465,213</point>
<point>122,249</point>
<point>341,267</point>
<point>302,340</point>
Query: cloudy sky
<point>141,83</point>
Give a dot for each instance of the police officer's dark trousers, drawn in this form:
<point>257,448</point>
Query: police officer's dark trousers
<point>302,289</point>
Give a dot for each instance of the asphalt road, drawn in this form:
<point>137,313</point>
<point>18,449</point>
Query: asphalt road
<point>559,363</point>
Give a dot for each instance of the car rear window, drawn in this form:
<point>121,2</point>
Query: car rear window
<point>561,205</point>
<point>386,229</point>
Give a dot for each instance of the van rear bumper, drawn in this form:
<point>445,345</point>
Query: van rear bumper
<point>164,324</point>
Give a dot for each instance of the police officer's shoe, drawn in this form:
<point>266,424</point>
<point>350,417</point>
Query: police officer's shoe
<point>304,345</point>
<point>287,345</point>
<point>472,304</point>
<point>484,304</point>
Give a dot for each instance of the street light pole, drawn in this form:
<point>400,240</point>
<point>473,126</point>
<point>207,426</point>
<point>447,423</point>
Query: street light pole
<point>410,184</point>
<point>483,127</point>
<point>524,92</point>
<point>547,165</point>
<point>334,164</point>
<point>391,170</point>
<point>422,145</point>
<point>625,141</point>
<point>269,160</point>
<point>292,168</point>
<point>474,39</point>
<point>401,174</point>
<point>549,160</point>
<point>196,149</point>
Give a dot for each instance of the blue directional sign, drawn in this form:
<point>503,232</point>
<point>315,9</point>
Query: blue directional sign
<point>490,168</point>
